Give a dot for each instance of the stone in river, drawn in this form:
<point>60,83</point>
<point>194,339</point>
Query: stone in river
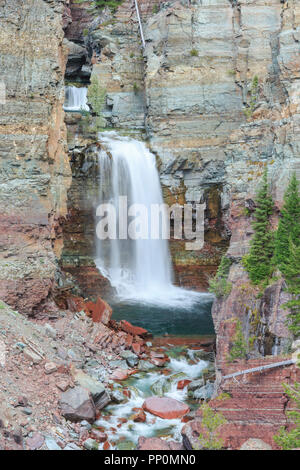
<point>91,444</point>
<point>182,384</point>
<point>145,366</point>
<point>98,435</point>
<point>155,443</point>
<point>119,374</point>
<point>139,417</point>
<point>131,358</point>
<point>126,445</point>
<point>205,392</point>
<point>99,393</point>
<point>117,396</point>
<point>167,408</point>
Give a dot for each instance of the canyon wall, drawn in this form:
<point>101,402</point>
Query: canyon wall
<point>35,171</point>
<point>216,94</point>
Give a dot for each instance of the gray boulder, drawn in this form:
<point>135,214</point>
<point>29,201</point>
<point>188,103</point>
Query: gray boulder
<point>205,392</point>
<point>99,393</point>
<point>77,405</point>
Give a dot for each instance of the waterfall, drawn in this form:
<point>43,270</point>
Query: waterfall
<point>76,99</point>
<point>139,269</point>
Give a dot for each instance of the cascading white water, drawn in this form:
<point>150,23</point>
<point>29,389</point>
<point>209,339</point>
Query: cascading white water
<point>139,269</point>
<point>76,99</point>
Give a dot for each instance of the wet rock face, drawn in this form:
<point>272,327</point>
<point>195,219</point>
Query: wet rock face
<point>76,19</point>
<point>35,172</point>
<point>211,122</point>
<point>78,227</point>
<point>262,317</point>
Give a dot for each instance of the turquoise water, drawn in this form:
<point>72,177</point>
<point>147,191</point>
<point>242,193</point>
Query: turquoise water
<point>160,320</point>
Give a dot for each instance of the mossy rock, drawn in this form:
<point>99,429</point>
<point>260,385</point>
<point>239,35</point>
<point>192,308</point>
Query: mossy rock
<point>126,445</point>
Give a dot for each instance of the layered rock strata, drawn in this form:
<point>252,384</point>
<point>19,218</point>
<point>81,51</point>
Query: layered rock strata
<point>35,172</point>
<point>216,92</point>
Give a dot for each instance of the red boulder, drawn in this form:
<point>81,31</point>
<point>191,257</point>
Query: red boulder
<point>132,330</point>
<point>182,384</point>
<point>166,408</point>
<point>100,311</point>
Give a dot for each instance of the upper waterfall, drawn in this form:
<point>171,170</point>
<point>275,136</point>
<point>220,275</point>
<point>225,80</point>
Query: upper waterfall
<point>139,269</point>
<point>76,99</point>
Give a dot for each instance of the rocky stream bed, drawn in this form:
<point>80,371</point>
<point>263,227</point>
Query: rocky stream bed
<point>72,383</point>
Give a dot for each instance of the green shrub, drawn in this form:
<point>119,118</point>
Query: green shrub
<point>194,53</point>
<point>219,285</point>
<point>288,440</point>
<point>223,396</point>
<point>211,422</point>
<point>253,97</point>
<point>238,349</point>
<point>135,87</point>
<point>96,97</point>
<point>111,4</point>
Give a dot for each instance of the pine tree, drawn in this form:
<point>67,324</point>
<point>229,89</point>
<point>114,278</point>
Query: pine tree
<point>291,269</point>
<point>289,224</point>
<point>258,262</point>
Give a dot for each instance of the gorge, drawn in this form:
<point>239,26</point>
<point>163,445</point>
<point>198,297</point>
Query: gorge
<point>194,117</point>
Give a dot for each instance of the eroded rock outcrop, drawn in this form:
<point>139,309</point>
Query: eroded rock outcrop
<point>35,172</point>
<point>216,92</point>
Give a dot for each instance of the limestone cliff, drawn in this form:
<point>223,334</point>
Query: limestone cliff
<point>35,172</point>
<point>216,91</point>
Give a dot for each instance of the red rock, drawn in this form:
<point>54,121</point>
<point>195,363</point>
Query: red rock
<point>35,442</point>
<point>128,341</point>
<point>120,374</point>
<point>139,417</point>
<point>50,367</point>
<point>22,401</point>
<point>75,304</point>
<point>62,384</point>
<point>182,384</point>
<point>98,435</point>
<point>77,405</point>
<point>158,361</point>
<point>186,419</point>
<point>106,445</point>
<point>155,443</point>
<point>139,340</point>
<point>100,311</point>
<point>166,408</point>
<point>122,420</point>
<point>255,407</point>
<point>132,330</point>
<point>136,348</point>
